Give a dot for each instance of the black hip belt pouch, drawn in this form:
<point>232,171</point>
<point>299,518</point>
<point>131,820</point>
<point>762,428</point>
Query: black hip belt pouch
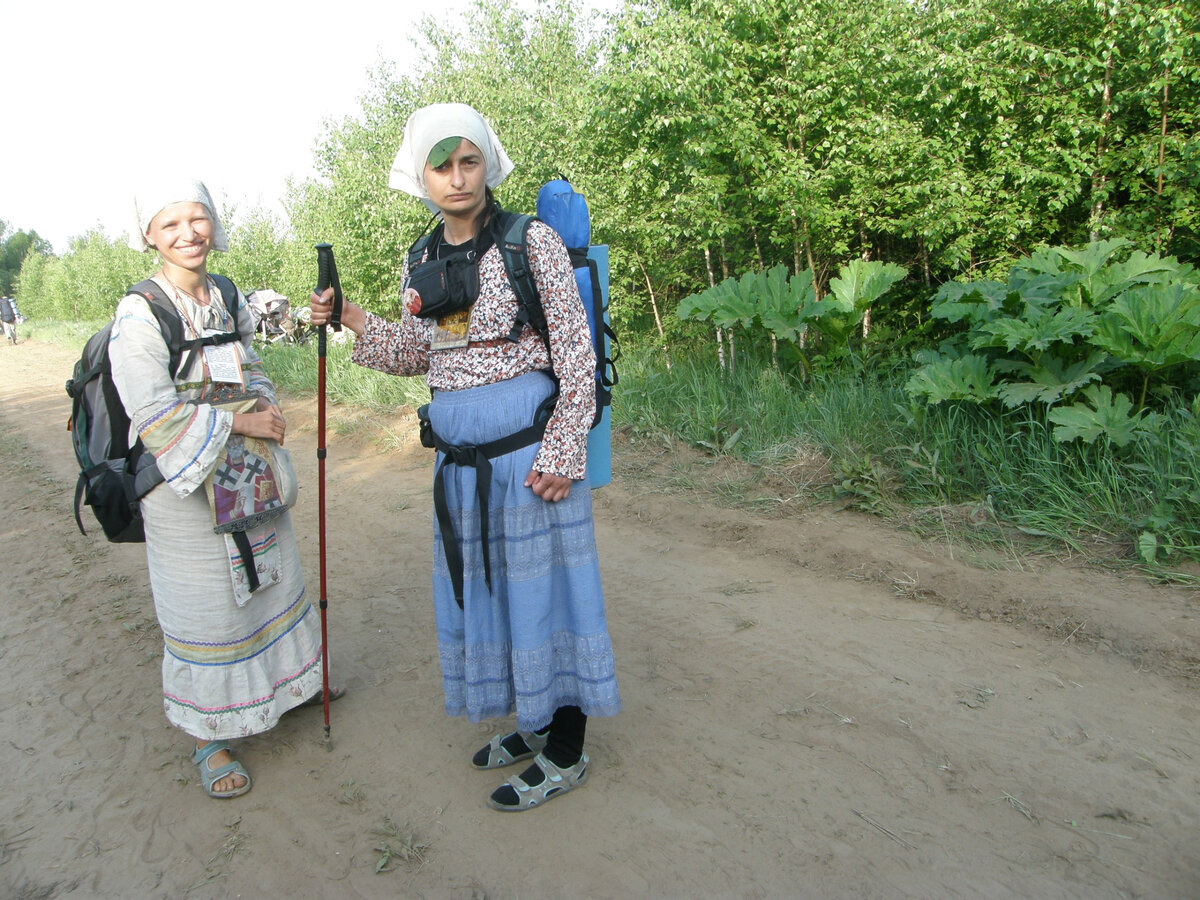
<point>426,432</point>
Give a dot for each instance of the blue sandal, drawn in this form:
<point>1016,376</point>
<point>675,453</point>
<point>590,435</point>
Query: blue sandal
<point>209,776</point>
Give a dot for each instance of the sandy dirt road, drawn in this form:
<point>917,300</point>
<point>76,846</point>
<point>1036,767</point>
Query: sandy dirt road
<point>815,705</point>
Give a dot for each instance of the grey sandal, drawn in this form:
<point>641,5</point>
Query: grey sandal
<point>209,776</point>
<point>556,782</point>
<point>497,755</point>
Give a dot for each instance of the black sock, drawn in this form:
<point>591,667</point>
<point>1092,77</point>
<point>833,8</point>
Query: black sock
<point>564,749</point>
<point>567,729</point>
<point>513,743</point>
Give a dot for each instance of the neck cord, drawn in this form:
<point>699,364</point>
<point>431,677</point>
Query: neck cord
<point>181,306</point>
<point>180,290</point>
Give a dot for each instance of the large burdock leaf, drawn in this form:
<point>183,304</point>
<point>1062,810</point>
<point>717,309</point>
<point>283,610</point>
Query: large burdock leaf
<point>1140,268</point>
<point>861,282</point>
<point>1049,381</point>
<point>977,302</point>
<point>781,301</point>
<point>1092,258</point>
<point>725,304</point>
<point>1101,412</point>
<point>1152,326</point>
<point>1038,330</point>
<point>966,378</point>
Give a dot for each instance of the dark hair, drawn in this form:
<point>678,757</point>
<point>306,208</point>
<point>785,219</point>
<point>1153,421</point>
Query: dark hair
<point>485,213</point>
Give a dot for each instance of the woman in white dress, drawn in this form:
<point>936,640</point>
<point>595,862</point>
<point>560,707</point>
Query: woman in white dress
<point>242,643</point>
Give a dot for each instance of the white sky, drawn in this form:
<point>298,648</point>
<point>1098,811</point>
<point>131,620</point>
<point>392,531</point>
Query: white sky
<point>97,96</point>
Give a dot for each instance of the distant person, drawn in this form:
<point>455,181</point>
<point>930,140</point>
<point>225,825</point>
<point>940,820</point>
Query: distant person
<point>516,581</point>
<point>9,315</point>
<point>242,643</point>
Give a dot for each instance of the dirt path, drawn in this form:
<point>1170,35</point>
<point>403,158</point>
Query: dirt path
<point>815,706</point>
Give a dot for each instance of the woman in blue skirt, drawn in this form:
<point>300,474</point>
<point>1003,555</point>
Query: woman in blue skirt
<point>516,580</point>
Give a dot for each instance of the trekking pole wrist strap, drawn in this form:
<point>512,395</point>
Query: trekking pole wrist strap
<point>327,277</point>
<point>335,318</point>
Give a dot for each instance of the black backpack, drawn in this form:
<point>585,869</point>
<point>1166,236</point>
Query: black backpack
<point>114,476</point>
<point>510,232</point>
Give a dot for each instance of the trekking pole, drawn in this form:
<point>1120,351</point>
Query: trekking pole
<point>326,277</point>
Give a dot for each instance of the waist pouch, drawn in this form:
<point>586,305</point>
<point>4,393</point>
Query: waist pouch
<point>445,286</point>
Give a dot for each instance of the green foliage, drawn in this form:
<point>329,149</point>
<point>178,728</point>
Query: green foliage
<point>859,284</point>
<point>1152,327</point>
<point>1047,381</point>
<point>782,300</point>
<point>787,309</point>
<point>873,447</point>
<point>734,301</point>
<point>1101,414</point>
<point>15,248</point>
<point>87,282</point>
<point>258,254</point>
<point>1066,320</point>
<point>967,377</point>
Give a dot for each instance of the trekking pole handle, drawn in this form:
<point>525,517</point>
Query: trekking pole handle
<point>327,277</point>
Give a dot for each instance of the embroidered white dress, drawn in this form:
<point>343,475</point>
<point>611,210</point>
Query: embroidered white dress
<point>233,661</point>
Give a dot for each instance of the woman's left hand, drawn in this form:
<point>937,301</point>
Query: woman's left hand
<point>265,422</point>
<point>550,488</point>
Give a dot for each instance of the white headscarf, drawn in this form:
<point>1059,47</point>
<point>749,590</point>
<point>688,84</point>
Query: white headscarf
<point>432,124</point>
<point>155,198</point>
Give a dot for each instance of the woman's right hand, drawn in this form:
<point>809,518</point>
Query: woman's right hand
<point>321,306</point>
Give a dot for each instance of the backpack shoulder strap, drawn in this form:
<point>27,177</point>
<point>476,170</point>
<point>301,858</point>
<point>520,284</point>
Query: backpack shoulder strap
<point>512,240</point>
<point>168,319</point>
<point>417,250</point>
<point>230,292</point>
<point>171,325</point>
<point>604,342</point>
<point>419,246</point>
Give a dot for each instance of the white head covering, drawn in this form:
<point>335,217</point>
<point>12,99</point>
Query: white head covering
<point>155,198</point>
<point>432,124</point>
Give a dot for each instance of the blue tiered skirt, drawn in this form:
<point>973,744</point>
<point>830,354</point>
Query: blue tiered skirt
<point>538,640</point>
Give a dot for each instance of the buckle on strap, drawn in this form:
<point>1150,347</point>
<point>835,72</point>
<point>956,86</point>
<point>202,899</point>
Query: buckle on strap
<point>465,455</point>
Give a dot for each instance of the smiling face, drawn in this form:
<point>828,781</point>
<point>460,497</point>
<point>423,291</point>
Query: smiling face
<point>182,235</point>
<point>458,187</point>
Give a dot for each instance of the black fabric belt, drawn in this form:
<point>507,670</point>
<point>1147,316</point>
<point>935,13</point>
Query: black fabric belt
<point>243,544</point>
<point>479,458</point>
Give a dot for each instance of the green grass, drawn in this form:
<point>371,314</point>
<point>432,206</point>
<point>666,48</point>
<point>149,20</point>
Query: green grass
<point>888,455</point>
<point>294,368</point>
<point>57,331</point>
